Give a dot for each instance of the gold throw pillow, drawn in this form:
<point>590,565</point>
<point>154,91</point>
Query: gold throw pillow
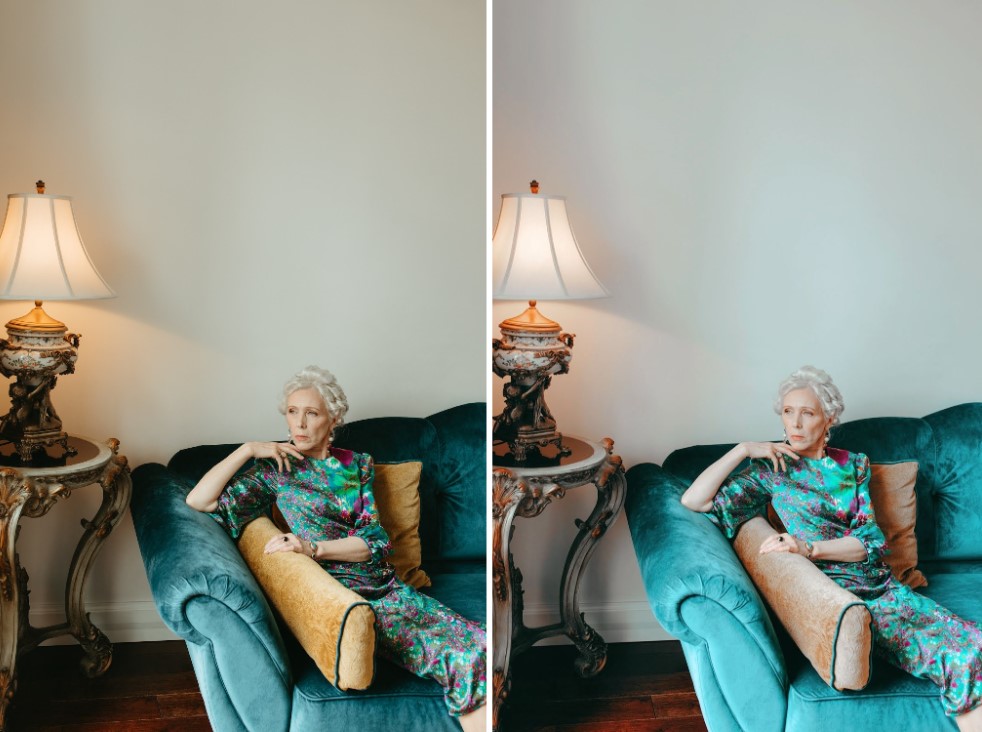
<point>891,489</point>
<point>397,499</point>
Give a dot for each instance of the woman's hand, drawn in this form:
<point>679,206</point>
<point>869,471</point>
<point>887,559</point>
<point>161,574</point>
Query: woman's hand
<point>773,451</point>
<point>285,543</point>
<point>783,543</point>
<point>699,496</point>
<point>281,452</point>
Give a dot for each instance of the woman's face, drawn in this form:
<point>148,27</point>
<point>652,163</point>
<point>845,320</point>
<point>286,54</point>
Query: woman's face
<point>309,421</point>
<point>805,423</point>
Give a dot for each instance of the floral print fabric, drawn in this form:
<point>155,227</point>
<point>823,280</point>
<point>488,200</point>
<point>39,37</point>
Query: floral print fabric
<point>923,638</point>
<point>333,499</point>
<point>418,633</point>
<point>828,498</point>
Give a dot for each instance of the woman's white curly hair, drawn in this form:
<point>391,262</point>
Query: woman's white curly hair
<point>820,383</point>
<point>314,377</point>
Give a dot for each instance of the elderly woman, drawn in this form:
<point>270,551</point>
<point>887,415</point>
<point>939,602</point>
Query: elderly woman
<point>325,495</point>
<point>822,496</point>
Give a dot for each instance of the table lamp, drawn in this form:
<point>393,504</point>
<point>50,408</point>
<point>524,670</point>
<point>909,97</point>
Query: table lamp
<point>534,257</point>
<point>42,257</point>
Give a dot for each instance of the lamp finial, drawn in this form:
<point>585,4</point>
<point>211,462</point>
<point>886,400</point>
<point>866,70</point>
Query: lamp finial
<point>534,185</point>
<point>40,186</point>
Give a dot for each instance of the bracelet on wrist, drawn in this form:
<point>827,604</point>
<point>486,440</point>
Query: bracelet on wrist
<point>810,547</point>
<point>313,549</point>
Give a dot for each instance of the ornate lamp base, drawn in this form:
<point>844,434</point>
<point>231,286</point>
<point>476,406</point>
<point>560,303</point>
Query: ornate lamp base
<point>38,350</point>
<point>31,441</point>
<point>531,350</point>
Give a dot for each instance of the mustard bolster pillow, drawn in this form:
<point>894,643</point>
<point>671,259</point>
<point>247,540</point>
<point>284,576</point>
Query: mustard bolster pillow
<point>829,624</point>
<point>335,626</point>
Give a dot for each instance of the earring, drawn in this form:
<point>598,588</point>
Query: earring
<point>828,436</point>
<point>784,434</point>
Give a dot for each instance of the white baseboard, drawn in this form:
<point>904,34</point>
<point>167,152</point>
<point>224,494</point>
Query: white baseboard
<point>616,622</point>
<point>134,622</point>
<point>122,622</point>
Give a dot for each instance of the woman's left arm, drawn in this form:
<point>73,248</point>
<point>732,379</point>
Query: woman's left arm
<point>845,549</point>
<point>348,549</point>
<point>368,529</point>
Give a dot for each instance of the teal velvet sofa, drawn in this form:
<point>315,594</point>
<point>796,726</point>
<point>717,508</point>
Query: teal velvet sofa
<point>252,674</point>
<point>747,673</point>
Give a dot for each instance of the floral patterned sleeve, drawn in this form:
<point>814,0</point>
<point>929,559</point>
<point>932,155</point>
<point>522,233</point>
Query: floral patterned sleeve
<point>739,499</point>
<point>367,526</point>
<point>862,522</point>
<point>246,497</point>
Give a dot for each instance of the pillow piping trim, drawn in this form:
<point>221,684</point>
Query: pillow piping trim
<point>337,652</point>
<point>835,646</point>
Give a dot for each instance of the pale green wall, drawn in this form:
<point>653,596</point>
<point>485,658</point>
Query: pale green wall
<point>760,185</point>
<point>265,185</point>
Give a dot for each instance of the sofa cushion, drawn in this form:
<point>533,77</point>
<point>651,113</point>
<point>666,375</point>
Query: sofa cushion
<point>892,700</point>
<point>891,490</point>
<point>397,700</point>
<point>957,590</point>
<point>333,624</point>
<point>463,592</point>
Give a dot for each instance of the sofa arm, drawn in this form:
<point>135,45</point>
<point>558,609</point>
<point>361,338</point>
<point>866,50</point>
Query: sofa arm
<point>701,594</point>
<point>682,554</point>
<point>206,594</point>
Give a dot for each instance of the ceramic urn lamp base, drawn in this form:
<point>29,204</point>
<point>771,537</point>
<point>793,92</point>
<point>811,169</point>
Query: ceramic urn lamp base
<point>37,350</point>
<point>532,349</point>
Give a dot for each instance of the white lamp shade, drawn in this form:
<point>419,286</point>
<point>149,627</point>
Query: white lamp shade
<point>534,252</point>
<point>42,256</point>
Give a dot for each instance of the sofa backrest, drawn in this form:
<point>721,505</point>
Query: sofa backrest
<point>453,485</point>
<point>947,447</point>
<point>957,485</point>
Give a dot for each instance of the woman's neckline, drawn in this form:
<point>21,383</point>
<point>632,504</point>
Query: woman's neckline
<point>345,457</point>
<point>838,456</point>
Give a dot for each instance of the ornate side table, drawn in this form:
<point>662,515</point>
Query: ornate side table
<point>32,491</point>
<point>525,491</point>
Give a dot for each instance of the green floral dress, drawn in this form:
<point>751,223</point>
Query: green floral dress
<point>828,498</point>
<point>333,499</point>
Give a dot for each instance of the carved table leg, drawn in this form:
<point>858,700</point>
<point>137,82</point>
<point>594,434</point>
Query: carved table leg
<point>116,487</point>
<point>14,493</point>
<point>611,484</point>
<point>508,493</point>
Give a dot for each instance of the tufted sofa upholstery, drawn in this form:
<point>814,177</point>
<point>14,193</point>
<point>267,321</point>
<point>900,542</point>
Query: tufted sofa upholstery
<point>252,674</point>
<point>747,674</point>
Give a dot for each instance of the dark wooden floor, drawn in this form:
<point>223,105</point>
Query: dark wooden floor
<point>150,687</point>
<point>645,687</point>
